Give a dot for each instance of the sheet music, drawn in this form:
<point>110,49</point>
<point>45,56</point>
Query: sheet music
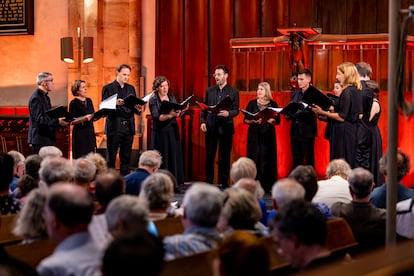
<point>148,96</point>
<point>109,103</point>
<point>276,109</point>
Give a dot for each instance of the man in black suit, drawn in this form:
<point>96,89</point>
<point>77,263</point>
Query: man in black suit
<point>219,127</point>
<point>42,127</point>
<point>120,125</point>
<point>303,129</point>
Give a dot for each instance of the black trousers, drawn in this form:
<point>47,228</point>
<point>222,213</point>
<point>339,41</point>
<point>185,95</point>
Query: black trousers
<point>122,141</point>
<point>224,140</point>
<point>303,151</point>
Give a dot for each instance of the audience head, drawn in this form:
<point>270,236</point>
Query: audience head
<point>286,190</point>
<point>297,226</point>
<point>157,191</point>
<point>364,70</point>
<point>56,169</point>
<point>243,167</point>
<point>151,160</point>
<point>403,164</point>
<point>126,214</point>
<point>98,160</point>
<point>108,185</point>
<point>338,167</point>
<point>171,176</point>
<point>84,172</point>
<point>18,160</point>
<point>68,210</point>
<point>241,254</point>
<point>50,151</point>
<point>251,185</point>
<point>361,182</point>
<point>241,210</point>
<point>6,171</point>
<point>30,223</point>
<point>348,75</point>
<point>306,176</point>
<point>202,204</point>
<point>127,254</point>
<point>30,178</point>
<point>32,165</point>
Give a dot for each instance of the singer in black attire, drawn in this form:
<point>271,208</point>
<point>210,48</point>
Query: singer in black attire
<point>219,127</point>
<point>83,134</point>
<point>165,135</point>
<point>261,137</point>
<point>303,129</point>
<point>120,125</point>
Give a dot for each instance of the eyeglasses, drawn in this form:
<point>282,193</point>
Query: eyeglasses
<point>50,80</point>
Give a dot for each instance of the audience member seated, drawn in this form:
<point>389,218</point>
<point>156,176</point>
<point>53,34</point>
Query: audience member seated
<point>30,223</point>
<point>243,167</point>
<point>148,163</point>
<point>30,179</point>
<point>300,230</point>
<point>50,151</point>
<point>68,212</point>
<point>405,218</point>
<point>241,254</point>
<point>202,206</point>
<point>379,194</point>
<point>98,160</point>
<point>8,203</point>
<point>306,176</point>
<point>241,211</point>
<point>55,169</point>
<point>18,168</point>
<point>84,173</point>
<point>283,192</point>
<point>254,187</point>
<point>366,221</point>
<point>109,185</point>
<point>127,214</point>
<point>137,254</point>
<point>158,192</point>
<point>336,187</point>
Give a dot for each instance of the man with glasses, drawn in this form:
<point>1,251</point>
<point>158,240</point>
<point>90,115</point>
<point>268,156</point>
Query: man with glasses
<point>42,127</point>
<point>219,127</point>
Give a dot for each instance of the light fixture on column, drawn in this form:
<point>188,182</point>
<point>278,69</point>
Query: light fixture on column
<point>87,49</point>
<point>66,49</point>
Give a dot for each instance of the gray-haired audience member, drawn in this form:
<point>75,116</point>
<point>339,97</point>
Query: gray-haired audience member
<point>242,168</point>
<point>126,214</point>
<point>98,160</point>
<point>300,230</point>
<point>68,212</point>
<point>84,172</point>
<point>366,221</point>
<point>30,223</point>
<point>18,168</point>
<point>55,169</point>
<point>286,190</point>
<point>202,205</point>
<point>335,188</point>
<point>135,254</point>
<point>157,192</point>
<point>50,151</point>
<point>148,163</point>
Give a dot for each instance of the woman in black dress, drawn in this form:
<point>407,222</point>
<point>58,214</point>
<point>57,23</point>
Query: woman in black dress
<point>347,110</point>
<point>165,136</point>
<point>261,137</point>
<point>83,133</point>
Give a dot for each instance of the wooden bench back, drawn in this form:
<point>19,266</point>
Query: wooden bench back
<point>31,253</point>
<point>169,226</point>
<point>339,235</point>
<point>6,227</point>
<point>197,264</point>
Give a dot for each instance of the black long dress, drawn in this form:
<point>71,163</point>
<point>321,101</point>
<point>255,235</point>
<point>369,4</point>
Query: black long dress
<point>165,138</point>
<point>83,134</point>
<point>376,149</point>
<point>261,146</point>
<point>344,134</point>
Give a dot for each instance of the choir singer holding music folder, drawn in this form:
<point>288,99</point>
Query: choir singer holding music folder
<point>218,126</point>
<point>120,125</point>
<point>165,136</point>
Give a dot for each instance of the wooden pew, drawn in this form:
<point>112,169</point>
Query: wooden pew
<point>31,253</point>
<point>6,226</point>
<point>197,264</point>
<point>169,226</point>
<point>340,237</point>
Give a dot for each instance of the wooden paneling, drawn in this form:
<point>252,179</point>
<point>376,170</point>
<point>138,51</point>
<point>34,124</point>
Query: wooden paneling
<point>247,18</point>
<point>255,69</point>
<point>302,13</point>
<point>270,15</point>
<point>363,15</point>
<point>331,16</point>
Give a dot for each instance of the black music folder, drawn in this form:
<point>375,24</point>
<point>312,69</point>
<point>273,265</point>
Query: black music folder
<point>167,106</point>
<point>318,98</point>
<point>131,100</point>
<point>292,108</point>
<point>225,103</point>
<point>60,112</point>
<point>265,114</point>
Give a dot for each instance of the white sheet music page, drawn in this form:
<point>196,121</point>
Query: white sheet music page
<point>109,103</point>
